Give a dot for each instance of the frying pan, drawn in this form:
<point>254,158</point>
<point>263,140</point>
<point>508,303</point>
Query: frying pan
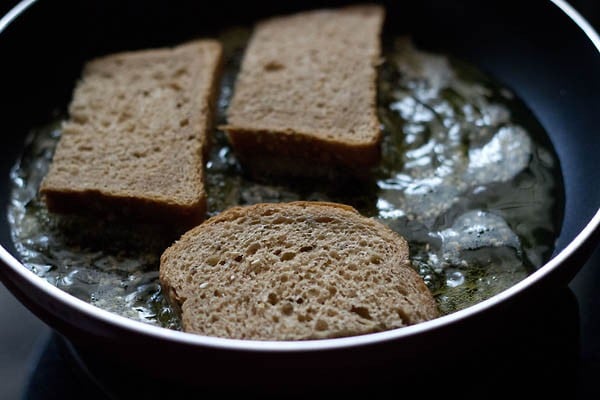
<point>543,50</point>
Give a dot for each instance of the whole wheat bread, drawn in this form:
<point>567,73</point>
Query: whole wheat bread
<point>305,98</point>
<point>291,271</point>
<point>135,141</point>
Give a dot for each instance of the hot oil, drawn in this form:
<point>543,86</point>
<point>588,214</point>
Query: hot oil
<point>467,176</point>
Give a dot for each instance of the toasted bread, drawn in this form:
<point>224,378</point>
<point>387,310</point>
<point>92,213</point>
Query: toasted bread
<point>136,136</point>
<point>305,102</point>
<point>293,271</point>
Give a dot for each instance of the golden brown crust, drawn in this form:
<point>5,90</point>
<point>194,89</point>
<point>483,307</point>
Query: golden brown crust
<point>96,203</point>
<point>249,144</point>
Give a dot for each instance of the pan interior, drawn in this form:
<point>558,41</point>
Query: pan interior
<point>467,176</point>
<point>549,68</point>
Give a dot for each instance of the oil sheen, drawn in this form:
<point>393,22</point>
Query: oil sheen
<point>467,176</point>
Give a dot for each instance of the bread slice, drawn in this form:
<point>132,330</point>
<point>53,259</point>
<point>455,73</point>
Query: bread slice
<point>135,141</point>
<point>291,271</point>
<point>305,99</point>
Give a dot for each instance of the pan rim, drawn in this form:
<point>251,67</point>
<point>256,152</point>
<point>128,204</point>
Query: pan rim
<point>183,338</point>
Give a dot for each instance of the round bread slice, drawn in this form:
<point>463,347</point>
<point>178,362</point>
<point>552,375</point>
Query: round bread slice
<point>293,271</point>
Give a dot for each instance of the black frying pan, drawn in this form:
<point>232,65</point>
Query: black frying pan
<point>542,50</point>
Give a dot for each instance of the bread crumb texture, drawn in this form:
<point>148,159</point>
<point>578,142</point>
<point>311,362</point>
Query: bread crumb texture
<point>293,271</point>
<point>137,134</point>
<point>307,88</point>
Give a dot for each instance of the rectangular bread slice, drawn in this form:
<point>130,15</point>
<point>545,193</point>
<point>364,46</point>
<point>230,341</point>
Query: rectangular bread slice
<point>305,98</point>
<point>137,135</point>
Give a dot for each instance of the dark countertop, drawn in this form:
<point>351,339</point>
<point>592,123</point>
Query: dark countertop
<point>31,357</point>
<point>586,287</point>
<point>21,335</point>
